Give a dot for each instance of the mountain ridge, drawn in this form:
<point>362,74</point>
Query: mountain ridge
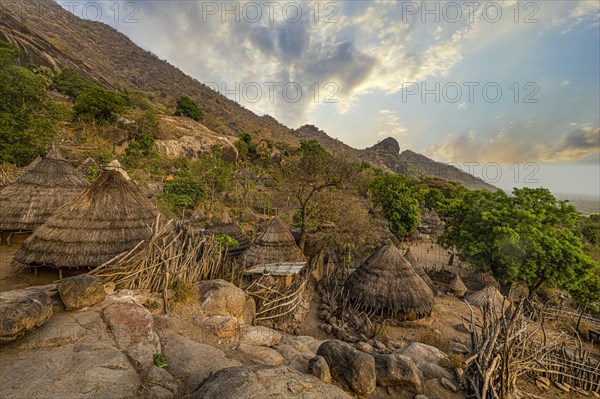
<point>58,39</point>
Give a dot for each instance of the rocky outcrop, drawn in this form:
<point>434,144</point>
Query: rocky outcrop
<point>262,382</point>
<point>220,326</point>
<point>298,350</point>
<point>71,356</point>
<point>132,327</point>
<point>81,291</point>
<point>349,367</point>
<point>218,297</point>
<point>22,311</point>
<point>261,354</point>
<point>259,335</point>
<point>190,361</point>
<point>318,367</point>
<point>180,136</point>
<point>398,371</point>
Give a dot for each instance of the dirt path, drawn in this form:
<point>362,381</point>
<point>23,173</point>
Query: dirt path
<point>11,280</point>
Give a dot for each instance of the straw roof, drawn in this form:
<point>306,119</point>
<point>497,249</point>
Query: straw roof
<point>226,226</point>
<point>457,286</point>
<point>487,296</point>
<point>116,166</point>
<point>273,245</point>
<point>45,186</point>
<point>386,283</point>
<point>198,216</point>
<point>110,217</point>
<point>420,271</point>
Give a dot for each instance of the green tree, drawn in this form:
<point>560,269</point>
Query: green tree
<point>187,107</point>
<point>393,194</point>
<point>433,198</point>
<point>140,152</point>
<point>246,148</point>
<point>70,83</point>
<point>27,116</point>
<point>308,173</point>
<point>528,237</point>
<point>98,104</point>
<point>183,192</point>
<point>215,174</point>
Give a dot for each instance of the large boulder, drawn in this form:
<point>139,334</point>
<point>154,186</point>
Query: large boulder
<point>218,297</point>
<point>351,368</point>
<point>191,361</point>
<point>259,335</point>
<point>22,311</point>
<point>298,350</point>
<point>261,355</point>
<point>266,382</point>
<point>220,326</point>
<point>421,353</point>
<point>318,367</point>
<point>133,329</point>
<point>398,371</point>
<point>81,291</point>
<point>73,355</point>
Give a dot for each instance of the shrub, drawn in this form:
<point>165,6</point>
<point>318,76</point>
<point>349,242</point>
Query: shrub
<point>70,83</point>
<point>183,291</point>
<point>187,107</point>
<point>98,104</point>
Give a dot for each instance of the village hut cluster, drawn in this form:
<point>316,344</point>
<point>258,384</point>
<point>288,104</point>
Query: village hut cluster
<point>75,226</point>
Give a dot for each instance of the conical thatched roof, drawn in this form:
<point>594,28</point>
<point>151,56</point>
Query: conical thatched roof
<point>487,296</point>
<point>275,244</point>
<point>420,271</point>
<point>457,286</point>
<point>116,166</point>
<point>110,217</point>
<point>43,188</point>
<point>227,227</point>
<point>386,283</point>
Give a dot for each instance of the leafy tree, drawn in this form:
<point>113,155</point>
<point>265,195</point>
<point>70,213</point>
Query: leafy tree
<point>246,148</point>
<point>27,117</point>
<point>528,237</point>
<point>140,151</point>
<point>215,174</point>
<point>183,192</point>
<point>98,104</point>
<point>311,171</point>
<point>433,198</point>
<point>393,194</point>
<point>187,107</point>
<point>70,83</point>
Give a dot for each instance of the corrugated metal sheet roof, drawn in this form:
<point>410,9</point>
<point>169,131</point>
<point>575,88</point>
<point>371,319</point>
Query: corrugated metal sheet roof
<point>277,269</point>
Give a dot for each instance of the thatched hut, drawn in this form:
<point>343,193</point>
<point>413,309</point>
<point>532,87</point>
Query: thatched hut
<point>387,285</point>
<point>35,195</point>
<point>110,217</point>
<point>489,296</point>
<point>275,244</point>
<point>228,227</point>
<point>420,271</point>
<point>457,286</point>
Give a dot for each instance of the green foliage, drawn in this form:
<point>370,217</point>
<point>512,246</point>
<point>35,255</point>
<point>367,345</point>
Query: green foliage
<point>215,174</point>
<point>393,193</point>
<point>433,198</point>
<point>27,117</point>
<point>140,152</point>
<point>246,148</point>
<point>187,107</point>
<point>226,242</point>
<point>313,148</point>
<point>98,104</point>
<point>528,237</point>
<point>160,360</point>
<point>183,192</point>
<point>70,83</point>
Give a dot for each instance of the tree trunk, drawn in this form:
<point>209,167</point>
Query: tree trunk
<point>302,229</point>
<point>579,319</point>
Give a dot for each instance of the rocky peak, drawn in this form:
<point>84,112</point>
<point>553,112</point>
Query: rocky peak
<point>388,145</point>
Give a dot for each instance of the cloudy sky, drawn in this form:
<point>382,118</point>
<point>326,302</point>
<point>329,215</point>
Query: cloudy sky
<point>478,84</point>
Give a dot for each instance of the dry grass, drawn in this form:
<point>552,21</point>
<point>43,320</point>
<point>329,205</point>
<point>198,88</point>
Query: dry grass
<point>184,292</point>
<point>436,340</point>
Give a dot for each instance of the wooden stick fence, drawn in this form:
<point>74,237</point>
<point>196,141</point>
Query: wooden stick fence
<point>553,312</point>
<point>272,304</point>
<point>170,255</point>
<point>577,369</point>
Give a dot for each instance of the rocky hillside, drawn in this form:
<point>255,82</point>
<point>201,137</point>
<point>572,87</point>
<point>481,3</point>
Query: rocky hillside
<point>48,35</point>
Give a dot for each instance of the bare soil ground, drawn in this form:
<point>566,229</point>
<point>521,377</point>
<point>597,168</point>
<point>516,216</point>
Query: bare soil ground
<point>12,280</point>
